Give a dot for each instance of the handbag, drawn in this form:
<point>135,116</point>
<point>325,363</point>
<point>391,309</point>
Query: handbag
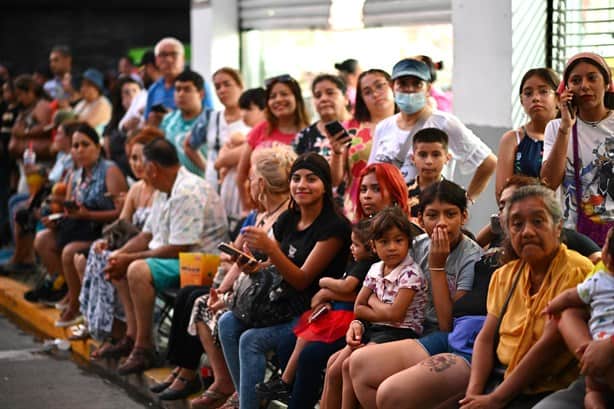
<point>596,231</point>
<point>264,299</point>
<point>498,370</point>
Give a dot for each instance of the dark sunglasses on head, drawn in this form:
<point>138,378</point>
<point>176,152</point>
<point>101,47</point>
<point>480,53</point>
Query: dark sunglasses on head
<point>280,78</point>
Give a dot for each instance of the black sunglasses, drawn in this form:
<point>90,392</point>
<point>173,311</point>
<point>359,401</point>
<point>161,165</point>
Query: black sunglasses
<point>279,78</point>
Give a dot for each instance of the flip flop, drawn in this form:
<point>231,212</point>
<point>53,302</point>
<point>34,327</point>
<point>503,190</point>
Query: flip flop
<point>79,332</point>
<point>210,399</point>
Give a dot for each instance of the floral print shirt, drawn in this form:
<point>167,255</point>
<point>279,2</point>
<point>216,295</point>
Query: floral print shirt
<point>406,275</point>
<point>192,215</point>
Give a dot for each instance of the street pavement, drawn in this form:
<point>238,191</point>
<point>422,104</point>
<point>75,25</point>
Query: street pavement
<point>33,379</point>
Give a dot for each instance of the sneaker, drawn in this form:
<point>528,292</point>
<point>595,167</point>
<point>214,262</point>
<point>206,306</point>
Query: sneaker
<point>52,297</point>
<point>274,389</point>
<point>69,322</point>
<point>43,288</point>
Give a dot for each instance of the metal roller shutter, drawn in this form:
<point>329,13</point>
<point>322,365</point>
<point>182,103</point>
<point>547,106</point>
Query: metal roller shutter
<point>406,12</point>
<point>283,14</point>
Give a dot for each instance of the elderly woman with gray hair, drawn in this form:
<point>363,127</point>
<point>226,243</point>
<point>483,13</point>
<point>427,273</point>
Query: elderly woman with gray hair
<point>517,340</point>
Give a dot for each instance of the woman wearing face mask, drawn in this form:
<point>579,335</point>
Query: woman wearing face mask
<point>521,150</point>
<point>411,83</point>
<point>578,147</point>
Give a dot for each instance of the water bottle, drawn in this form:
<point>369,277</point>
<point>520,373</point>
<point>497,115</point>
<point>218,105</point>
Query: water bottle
<point>29,156</point>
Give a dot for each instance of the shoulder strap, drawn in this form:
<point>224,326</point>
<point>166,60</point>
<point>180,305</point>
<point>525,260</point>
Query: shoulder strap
<point>217,131</point>
<point>506,303</point>
<point>576,163</point>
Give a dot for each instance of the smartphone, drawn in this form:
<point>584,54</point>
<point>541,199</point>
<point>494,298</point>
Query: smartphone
<point>55,216</point>
<point>608,100</point>
<point>495,224</point>
<point>236,253</point>
<point>318,313</point>
<point>160,108</point>
<point>571,105</point>
<point>70,205</point>
<point>334,127</point>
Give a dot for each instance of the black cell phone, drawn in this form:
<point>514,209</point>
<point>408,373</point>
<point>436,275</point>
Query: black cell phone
<point>160,108</point>
<point>572,105</point>
<point>234,252</point>
<point>70,205</point>
<point>608,100</point>
<point>495,224</point>
<point>334,127</point>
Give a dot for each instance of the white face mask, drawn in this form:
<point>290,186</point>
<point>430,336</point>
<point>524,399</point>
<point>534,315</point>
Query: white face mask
<point>410,103</point>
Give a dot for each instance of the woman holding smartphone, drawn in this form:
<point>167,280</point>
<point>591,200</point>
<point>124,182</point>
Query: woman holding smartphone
<point>331,104</point>
<point>88,207</point>
<point>374,102</point>
<point>311,240</point>
<point>197,309</point>
<point>578,147</point>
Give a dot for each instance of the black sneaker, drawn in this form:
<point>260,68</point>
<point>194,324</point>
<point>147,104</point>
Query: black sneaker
<point>274,389</point>
<point>45,290</point>
<point>52,297</point>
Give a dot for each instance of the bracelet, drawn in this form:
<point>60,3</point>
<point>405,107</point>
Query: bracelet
<point>437,268</point>
<point>361,324</point>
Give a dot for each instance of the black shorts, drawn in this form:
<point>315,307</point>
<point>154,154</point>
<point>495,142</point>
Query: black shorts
<point>380,334</point>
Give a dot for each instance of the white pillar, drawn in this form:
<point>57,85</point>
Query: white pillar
<point>495,43</point>
<point>214,35</point>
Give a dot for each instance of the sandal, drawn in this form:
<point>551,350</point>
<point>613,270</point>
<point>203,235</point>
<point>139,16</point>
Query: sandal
<point>122,348</point>
<point>210,399</point>
<point>102,350</point>
<point>161,386</point>
<point>232,402</point>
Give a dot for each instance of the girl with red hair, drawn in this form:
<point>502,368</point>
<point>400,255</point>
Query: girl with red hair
<point>380,185</point>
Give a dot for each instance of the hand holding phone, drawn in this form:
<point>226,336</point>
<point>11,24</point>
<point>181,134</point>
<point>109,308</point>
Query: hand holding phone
<point>317,313</point>
<point>238,255</point>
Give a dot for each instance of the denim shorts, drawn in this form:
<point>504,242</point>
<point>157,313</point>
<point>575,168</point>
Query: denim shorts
<point>437,343</point>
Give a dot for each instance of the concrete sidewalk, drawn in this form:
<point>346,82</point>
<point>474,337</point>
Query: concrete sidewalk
<point>40,319</point>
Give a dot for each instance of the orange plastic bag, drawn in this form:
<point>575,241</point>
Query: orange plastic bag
<point>197,268</point>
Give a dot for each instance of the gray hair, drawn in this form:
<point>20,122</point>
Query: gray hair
<point>172,41</point>
<point>539,191</point>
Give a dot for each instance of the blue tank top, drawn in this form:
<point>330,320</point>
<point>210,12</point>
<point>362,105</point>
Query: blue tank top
<point>529,156</point>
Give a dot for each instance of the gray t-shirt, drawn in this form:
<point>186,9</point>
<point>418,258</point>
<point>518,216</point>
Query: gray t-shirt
<point>459,268</point>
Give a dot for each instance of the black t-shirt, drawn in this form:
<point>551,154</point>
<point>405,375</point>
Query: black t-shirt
<point>359,269</point>
<point>311,140</point>
<point>579,242</point>
<point>297,245</point>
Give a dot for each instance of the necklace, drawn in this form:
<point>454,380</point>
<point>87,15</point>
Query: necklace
<point>267,215</point>
<point>594,124</point>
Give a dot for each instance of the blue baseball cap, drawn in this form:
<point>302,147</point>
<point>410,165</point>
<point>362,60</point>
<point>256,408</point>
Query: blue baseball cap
<point>410,66</point>
<point>95,77</point>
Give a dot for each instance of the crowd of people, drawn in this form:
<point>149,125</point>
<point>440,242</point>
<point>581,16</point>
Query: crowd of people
<point>347,269</point>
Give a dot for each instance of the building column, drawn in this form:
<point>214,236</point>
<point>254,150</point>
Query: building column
<point>495,43</point>
<point>214,35</point>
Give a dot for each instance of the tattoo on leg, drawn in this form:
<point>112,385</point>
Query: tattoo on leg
<point>439,363</point>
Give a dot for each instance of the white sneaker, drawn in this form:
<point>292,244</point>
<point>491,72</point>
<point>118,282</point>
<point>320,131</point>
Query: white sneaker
<point>69,323</point>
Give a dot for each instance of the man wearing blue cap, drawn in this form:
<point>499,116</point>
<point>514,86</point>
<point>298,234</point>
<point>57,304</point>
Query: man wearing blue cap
<point>392,140</point>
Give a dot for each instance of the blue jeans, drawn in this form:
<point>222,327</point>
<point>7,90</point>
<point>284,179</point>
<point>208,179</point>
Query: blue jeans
<point>245,353</point>
<point>310,373</point>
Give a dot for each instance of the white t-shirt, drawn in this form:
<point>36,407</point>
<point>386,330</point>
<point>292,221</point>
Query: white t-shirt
<point>136,109</point>
<point>596,155</point>
<point>228,189</point>
<point>463,144</point>
<point>598,291</point>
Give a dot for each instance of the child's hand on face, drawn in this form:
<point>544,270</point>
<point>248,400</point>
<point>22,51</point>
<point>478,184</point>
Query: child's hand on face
<point>440,247</point>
